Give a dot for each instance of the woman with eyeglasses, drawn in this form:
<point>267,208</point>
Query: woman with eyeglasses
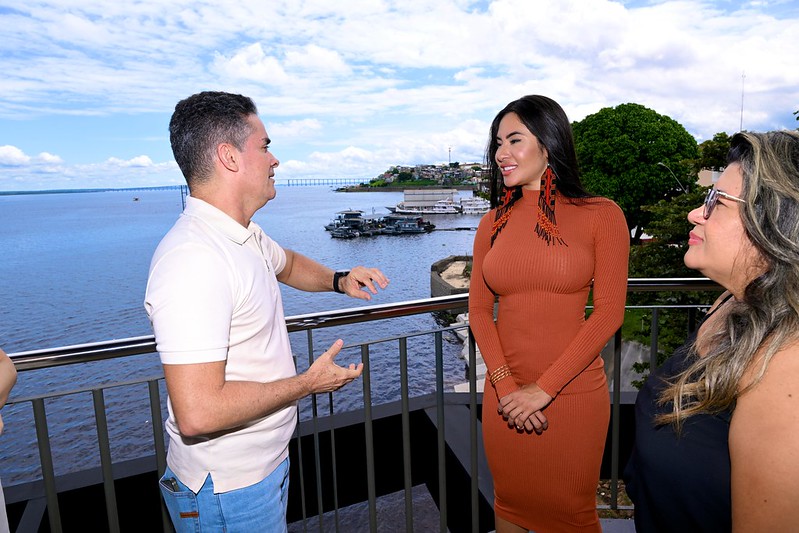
<point>717,425</point>
<point>543,247</point>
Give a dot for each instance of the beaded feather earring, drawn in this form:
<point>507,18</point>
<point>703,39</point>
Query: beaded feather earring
<point>503,211</point>
<point>546,227</point>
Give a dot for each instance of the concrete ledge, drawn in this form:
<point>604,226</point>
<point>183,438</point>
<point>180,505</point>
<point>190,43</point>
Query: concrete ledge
<point>439,286</point>
<point>617,525</point>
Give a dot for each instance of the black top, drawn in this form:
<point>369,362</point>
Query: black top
<point>679,483</point>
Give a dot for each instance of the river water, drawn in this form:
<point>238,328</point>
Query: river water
<point>74,268</point>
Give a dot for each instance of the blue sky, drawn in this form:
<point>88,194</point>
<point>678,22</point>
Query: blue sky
<point>349,88</point>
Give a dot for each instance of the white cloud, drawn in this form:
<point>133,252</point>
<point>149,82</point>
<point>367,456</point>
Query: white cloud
<point>13,156</point>
<point>346,87</point>
<point>139,161</point>
<point>314,59</point>
<point>49,172</point>
<point>251,63</point>
<point>467,144</point>
<point>45,157</point>
<point>280,132</point>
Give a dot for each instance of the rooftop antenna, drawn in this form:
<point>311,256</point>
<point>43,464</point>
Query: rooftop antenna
<point>743,77</point>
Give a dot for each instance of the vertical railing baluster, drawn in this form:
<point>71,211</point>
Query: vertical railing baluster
<point>474,474</point>
<point>406,434</point>
<point>315,427</point>
<point>105,460</point>
<point>370,440</point>
<point>301,470</point>
<point>158,442</point>
<point>333,462</point>
<point>301,466</point>
<point>442,443</point>
<point>653,340</point>
<point>46,458</point>
<point>616,422</point>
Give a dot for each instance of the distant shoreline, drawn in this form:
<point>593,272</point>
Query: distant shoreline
<point>107,189</point>
<point>358,188</point>
<point>351,188</point>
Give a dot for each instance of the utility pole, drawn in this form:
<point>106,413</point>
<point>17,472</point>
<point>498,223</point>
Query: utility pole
<point>743,77</point>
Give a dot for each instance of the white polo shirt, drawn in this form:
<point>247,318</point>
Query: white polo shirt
<point>212,295</point>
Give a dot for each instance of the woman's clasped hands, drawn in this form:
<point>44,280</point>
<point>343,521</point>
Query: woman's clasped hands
<point>523,408</point>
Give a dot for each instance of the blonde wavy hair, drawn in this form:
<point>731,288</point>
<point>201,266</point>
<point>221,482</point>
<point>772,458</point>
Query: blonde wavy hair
<point>767,318</point>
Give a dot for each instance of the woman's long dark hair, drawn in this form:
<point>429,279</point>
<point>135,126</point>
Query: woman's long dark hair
<point>548,122</point>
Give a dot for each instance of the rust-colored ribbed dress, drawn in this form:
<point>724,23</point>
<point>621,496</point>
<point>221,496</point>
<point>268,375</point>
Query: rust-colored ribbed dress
<point>547,483</point>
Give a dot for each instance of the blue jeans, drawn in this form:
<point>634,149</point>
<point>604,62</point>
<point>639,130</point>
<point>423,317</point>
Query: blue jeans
<point>259,507</point>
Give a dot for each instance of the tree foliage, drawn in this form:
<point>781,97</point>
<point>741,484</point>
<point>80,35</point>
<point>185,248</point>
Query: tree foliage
<point>662,257</point>
<point>713,152</point>
<point>619,150</point>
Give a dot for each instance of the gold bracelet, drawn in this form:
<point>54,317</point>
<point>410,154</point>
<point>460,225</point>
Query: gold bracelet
<point>498,374</point>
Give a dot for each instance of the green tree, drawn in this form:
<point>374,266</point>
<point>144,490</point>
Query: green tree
<point>713,152</point>
<point>619,150</point>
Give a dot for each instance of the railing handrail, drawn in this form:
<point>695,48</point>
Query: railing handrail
<point>96,351</point>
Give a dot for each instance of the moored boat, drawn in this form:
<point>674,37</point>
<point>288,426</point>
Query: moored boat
<point>440,207</point>
<point>350,218</point>
<point>428,202</point>
<point>350,224</point>
<point>344,233</point>
<point>398,224</point>
<point>475,205</point>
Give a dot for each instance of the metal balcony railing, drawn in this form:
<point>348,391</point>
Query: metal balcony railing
<point>447,412</point>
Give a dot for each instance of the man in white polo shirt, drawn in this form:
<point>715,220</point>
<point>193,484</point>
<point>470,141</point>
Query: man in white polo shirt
<point>214,302</point>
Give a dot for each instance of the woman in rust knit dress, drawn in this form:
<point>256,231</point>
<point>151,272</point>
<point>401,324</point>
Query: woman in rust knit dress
<point>546,244</point>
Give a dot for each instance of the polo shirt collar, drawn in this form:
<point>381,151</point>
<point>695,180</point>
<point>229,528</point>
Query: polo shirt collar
<point>220,220</point>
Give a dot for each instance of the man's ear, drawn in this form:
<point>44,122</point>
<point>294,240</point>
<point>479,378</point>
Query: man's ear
<point>228,156</point>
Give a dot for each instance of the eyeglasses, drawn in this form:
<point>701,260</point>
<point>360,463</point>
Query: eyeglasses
<point>712,198</point>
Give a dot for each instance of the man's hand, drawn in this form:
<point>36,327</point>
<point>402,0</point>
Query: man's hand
<point>362,278</point>
<point>326,376</point>
<point>205,402</point>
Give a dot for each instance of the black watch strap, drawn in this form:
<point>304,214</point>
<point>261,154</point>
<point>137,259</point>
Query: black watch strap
<point>337,277</point>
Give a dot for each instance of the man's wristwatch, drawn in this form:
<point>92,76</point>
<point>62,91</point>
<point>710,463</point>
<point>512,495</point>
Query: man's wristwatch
<point>337,277</point>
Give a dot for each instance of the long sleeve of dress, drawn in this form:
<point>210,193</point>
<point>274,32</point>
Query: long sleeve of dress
<point>611,252</point>
<point>481,309</point>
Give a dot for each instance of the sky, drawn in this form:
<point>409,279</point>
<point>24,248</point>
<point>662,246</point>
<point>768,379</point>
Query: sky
<point>349,88</point>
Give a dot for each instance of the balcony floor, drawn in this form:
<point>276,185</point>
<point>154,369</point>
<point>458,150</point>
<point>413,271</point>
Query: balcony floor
<point>390,515</point>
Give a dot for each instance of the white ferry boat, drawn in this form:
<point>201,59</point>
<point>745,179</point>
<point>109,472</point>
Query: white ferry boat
<point>475,205</point>
<point>441,207</point>
<point>428,202</point>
